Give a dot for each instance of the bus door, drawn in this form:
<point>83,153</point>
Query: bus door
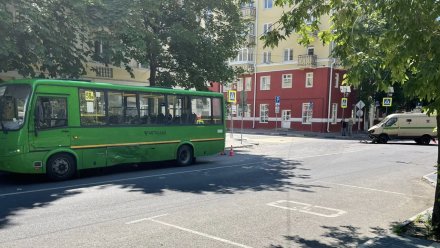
<point>49,122</point>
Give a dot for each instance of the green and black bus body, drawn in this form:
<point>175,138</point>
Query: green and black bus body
<point>58,127</point>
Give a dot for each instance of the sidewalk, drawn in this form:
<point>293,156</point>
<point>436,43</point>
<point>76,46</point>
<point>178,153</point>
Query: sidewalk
<point>241,140</point>
<point>237,141</point>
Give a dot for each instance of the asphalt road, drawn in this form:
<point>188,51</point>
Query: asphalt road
<point>284,192</point>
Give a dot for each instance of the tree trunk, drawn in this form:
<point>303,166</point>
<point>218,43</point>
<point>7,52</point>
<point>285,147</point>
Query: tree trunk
<point>436,209</point>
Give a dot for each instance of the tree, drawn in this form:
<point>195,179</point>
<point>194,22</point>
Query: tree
<point>380,42</point>
<point>185,43</point>
<point>43,36</point>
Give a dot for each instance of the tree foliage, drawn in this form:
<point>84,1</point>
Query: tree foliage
<point>185,43</point>
<point>380,42</point>
<point>43,38</point>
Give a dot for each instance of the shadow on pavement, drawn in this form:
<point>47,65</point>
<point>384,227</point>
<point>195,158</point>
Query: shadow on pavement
<point>216,174</point>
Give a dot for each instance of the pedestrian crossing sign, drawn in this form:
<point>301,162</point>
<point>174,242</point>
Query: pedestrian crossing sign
<point>344,101</point>
<point>232,96</point>
<point>387,101</point>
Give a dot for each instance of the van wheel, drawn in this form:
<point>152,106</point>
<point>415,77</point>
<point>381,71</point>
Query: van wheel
<point>383,139</point>
<point>60,167</point>
<point>185,155</point>
<point>425,139</point>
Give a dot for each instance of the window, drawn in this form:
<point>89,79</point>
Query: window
<point>226,87</point>
<point>336,80</point>
<point>264,113</point>
<point>287,81</point>
<point>152,108</point>
<point>115,108</point>
<point>310,18</point>
<point>310,50</point>
<point>267,4</point>
<point>265,83</point>
<point>267,27</point>
<point>179,110</point>
<point>334,113</point>
<point>131,110</point>
<point>201,107</point>
<point>307,112</point>
<point>52,112</point>
<point>248,84</point>
<point>240,84</point>
<point>217,113</point>
<point>267,57</point>
<point>288,54</point>
<point>247,111</point>
<point>104,72</point>
<point>92,107</point>
<point>309,79</point>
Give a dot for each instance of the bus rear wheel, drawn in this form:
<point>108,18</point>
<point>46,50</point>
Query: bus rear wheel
<point>185,155</point>
<point>60,167</point>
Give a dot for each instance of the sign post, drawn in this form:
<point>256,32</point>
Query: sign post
<point>387,102</point>
<point>277,110</point>
<point>232,99</point>
<point>360,105</point>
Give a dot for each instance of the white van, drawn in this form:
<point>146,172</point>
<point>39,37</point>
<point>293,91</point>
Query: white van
<point>416,126</point>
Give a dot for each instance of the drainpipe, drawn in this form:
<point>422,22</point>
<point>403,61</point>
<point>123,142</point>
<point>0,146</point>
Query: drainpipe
<point>330,86</point>
<point>255,61</point>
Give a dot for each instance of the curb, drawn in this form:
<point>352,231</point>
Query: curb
<point>427,179</point>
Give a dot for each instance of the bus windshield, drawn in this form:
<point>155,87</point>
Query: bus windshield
<point>13,102</point>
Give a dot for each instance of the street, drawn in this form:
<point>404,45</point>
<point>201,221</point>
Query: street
<point>280,192</point>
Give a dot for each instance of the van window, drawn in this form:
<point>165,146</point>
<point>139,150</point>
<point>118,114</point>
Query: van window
<point>390,122</point>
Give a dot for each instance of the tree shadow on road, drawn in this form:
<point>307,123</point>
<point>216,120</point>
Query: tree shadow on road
<point>212,175</point>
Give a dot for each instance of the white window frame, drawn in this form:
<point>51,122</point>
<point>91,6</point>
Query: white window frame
<point>311,50</point>
<point>286,81</point>
<point>309,79</point>
<point>264,113</point>
<point>248,84</point>
<point>247,113</point>
<point>267,27</point>
<point>265,83</point>
<point>268,4</point>
<point>288,54</point>
<point>306,113</point>
<point>336,80</point>
<point>240,84</point>
<point>334,113</point>
<point>267,57</point>
<point>226,87</point>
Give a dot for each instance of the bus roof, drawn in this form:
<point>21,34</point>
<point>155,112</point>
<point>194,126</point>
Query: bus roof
<point>100,85</point>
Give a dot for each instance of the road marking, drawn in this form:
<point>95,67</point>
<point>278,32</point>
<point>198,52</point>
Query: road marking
<point>144,219</point>
<point>125,179</point>
<point>153,219</point>
<point>371,189</point>
<point>308,208</point>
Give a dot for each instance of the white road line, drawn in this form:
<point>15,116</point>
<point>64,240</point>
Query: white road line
<point>329,154</point>
<point>201,234</point>
<point>144,219</point>
<point>125,179</point>
<point>371,189</point>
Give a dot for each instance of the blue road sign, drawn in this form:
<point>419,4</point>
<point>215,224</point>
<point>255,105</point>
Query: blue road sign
<point>277,99</point>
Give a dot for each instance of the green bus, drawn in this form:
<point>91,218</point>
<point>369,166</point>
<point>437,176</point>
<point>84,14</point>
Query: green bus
<point>59,127</point>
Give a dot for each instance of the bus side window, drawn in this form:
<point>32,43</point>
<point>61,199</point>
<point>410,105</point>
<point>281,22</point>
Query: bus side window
<point>52,111</point>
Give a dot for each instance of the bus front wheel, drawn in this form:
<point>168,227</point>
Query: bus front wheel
<point>60,167</point>
<point>185,155</point>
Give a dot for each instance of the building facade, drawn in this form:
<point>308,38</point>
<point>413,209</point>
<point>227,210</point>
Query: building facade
<point>290,86</point>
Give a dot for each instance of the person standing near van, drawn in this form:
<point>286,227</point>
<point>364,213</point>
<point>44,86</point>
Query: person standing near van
<point>343,127</point>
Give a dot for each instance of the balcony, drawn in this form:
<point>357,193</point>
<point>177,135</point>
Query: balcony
<point>307,61</point>
<point>248,12</point>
